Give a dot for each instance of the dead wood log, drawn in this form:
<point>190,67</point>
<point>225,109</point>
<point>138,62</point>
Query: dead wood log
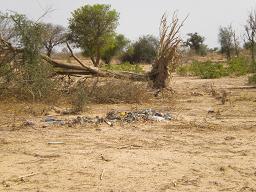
<point>242,87</point>
<point>84,69</point>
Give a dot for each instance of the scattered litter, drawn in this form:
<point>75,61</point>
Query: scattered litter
<point>110,119</point>
<point>53,120</point>
<point>145,115</point>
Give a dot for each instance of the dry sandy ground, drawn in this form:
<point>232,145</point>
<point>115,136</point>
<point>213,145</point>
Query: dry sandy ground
<point>198,151</point>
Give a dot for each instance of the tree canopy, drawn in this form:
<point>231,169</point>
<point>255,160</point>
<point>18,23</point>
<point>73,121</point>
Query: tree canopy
<point>91,28</point>
<point>54,35</point>
<point>196,43</point>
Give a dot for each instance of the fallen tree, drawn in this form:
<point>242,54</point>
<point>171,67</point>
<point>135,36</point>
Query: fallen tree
<point>165,62</point>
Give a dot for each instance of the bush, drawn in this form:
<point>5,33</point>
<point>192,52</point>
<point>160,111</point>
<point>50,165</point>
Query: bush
<point>144,50</point>
<point>184,70</point>
<point>110,92</point>
<point>124,67</point>
<point>26,75</point>
<point>127,56</point>
<point>79,98</point>
<point>209,70</point>
<point>205,70</point>
<point>238,66</point>
<point>252,79</point>
<point>120,91</point>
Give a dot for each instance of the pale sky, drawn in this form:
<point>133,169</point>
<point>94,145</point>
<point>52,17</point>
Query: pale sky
<point>141,17</point>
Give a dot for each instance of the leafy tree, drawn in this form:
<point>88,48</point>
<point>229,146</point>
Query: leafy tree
<point>115,46</point>
<point>128,55</point>
<point>92,27</point>
<point>227,41</point>
<point>54,35</point>
<point>250,29</point>
<point>145,49</point>
<point>196,43</point>
<point>30,73</point>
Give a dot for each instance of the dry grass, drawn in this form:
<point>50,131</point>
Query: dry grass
<point>114,91</point>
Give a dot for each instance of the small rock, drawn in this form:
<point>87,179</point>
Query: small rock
<point>211,110</point>
<point>28,123</point>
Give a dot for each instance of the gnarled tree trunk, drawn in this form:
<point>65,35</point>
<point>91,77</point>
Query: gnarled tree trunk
<point>168,52</point>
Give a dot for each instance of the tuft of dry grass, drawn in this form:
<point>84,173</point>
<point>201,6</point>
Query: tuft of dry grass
<point>113,91</point>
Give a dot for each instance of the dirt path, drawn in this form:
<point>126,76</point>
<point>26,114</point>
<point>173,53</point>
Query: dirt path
<point>198,151</point>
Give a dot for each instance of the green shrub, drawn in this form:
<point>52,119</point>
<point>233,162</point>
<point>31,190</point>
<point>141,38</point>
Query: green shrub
<point>183,70</point>
<point>205,70</point>
<point>252,79</point>
<point>238,66</point>
<point>124,67</point>
<point>26,75</point>
<point>208,70</point>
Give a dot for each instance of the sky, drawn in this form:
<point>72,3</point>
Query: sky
<point>142,17</point>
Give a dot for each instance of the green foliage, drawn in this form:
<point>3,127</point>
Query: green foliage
<point>142,51</point>
<point>125,67</point>
<point>114,47</point>
<point>145,49</point>
<point>226,39</point>
<point>196,43</point>
<point>209,70</point>
<point>92,27</point>
<point>239,66</point>
<point>127,55</point>
<point>252,79</point>
<point>184,70</point>
<point>205,70</point>
<point>29,75</point>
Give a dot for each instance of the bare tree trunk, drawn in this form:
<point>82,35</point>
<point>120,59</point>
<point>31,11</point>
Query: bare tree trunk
<point>253,56</point>
<point>159,75</point>
<point>49,52</point>
<point>97,62</point>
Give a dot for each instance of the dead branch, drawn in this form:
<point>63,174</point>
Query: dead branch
<point>168,52</point>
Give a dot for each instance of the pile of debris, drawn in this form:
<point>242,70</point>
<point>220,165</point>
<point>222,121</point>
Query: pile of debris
<point>124,117</point>
<point>141,115</point>
<point>111,118</point>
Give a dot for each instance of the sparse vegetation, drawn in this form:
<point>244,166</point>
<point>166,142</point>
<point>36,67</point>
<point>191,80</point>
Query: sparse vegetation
<point>239,66</point>
<point>53,36</point>
<point>27,78</point>
<point>89,110</point>
<point>252,79</point>
<point>111,91</point>
<point>79,98</point>
<point>136,68</point>
<point>210,70</point>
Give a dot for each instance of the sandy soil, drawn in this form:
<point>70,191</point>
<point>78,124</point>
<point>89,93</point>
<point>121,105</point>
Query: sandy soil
<point>208,147</point>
